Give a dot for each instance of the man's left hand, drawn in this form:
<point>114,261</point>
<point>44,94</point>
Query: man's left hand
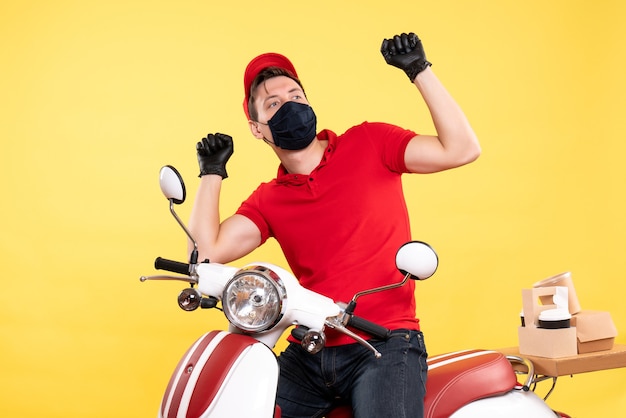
<point>406,53</point>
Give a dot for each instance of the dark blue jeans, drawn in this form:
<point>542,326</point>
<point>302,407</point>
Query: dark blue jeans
<point>391,386</point>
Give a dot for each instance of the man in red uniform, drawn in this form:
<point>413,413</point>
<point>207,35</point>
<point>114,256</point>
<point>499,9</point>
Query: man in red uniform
<point>337,209</point>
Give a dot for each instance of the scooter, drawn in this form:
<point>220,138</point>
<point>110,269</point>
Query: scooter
<point>234,373</point>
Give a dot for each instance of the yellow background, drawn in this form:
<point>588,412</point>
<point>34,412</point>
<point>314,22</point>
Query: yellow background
<point>98,95</point>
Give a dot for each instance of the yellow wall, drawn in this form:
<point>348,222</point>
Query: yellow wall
<point>97,95</point>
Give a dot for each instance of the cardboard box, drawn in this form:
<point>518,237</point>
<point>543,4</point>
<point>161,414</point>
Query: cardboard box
<point>550,343</point>
<point>563,279</point>
<point>595,331</point>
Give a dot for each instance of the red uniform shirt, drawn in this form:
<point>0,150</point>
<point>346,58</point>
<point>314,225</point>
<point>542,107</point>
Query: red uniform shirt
<point>340,227</point>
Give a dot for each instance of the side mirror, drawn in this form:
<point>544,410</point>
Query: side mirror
<point>417,259</point>
<point>173,187</point>
<point>172,184</point>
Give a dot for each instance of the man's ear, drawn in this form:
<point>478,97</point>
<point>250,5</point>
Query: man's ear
<point>254,128</point>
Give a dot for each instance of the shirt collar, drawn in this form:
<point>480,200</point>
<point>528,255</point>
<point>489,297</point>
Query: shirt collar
<point>283,177</point>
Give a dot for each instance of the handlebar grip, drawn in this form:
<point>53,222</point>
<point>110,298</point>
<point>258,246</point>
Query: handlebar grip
<point>299,332</point>
<point>171,265</point>
<point>369,327</point>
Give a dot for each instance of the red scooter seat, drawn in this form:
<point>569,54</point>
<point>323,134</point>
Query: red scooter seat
<point>456,379</point>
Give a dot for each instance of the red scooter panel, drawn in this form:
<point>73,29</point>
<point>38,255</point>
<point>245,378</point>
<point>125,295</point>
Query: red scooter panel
<point>202,373</point>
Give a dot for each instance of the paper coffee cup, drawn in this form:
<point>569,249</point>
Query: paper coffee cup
<point>563,279</point>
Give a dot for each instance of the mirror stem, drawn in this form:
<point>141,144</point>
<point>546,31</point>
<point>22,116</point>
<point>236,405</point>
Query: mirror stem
<point>194,254</point>
<point>352,305</point>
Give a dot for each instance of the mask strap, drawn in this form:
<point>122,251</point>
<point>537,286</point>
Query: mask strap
<point>265,139</point>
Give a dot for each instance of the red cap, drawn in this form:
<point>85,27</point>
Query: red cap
<point>258,64</point>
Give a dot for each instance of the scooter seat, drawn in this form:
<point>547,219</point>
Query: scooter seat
<point>456,379</point>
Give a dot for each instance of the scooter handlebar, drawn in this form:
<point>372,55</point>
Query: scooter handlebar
<point>369,327</point>
<point>171,265</point>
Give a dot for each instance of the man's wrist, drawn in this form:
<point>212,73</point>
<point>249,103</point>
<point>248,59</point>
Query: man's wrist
<point>214,171</point>
<point>417,67</point>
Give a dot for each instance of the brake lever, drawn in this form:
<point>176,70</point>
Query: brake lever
<point>336,324</point>
<point>186,279</point>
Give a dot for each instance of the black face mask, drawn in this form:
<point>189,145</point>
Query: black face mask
<point>293,126</point>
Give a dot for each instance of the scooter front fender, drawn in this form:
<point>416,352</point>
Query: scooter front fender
<point>223,375</point>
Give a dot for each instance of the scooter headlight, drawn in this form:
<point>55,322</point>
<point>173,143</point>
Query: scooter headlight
<point>254,299</point>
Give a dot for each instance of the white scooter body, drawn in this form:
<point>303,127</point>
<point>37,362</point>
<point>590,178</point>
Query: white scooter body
<point>223,375</point>
<point>514,404</point>
<point>235,373</point>
<point>230,374</point>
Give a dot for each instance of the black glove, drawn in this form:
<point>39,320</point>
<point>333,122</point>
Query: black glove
<point>405,52</point>
<point>213,153</point>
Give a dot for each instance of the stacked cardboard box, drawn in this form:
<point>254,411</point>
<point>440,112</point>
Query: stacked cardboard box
<point>589,330</point>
